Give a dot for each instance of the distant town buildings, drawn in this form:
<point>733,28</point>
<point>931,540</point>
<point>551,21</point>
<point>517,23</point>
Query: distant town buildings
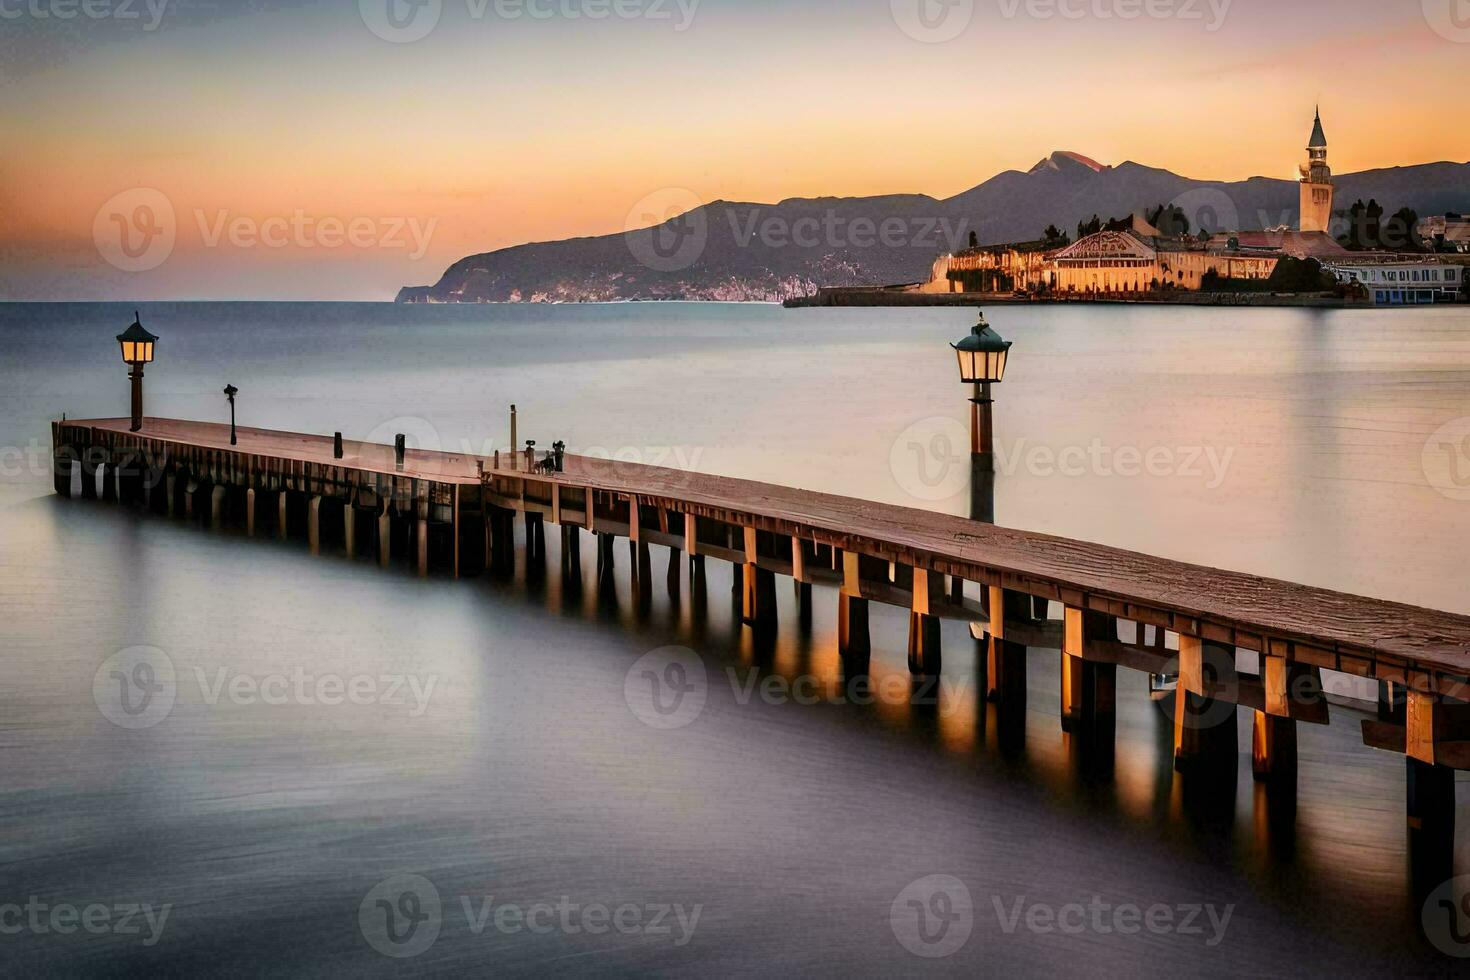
<point>1136,259</point>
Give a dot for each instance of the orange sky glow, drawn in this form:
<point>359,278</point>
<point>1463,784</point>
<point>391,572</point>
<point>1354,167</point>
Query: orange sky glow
<point>491,132</point>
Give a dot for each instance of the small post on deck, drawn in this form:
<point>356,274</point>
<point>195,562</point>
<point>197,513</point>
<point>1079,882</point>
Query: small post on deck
<point>400,450</point>
<point>514,441</point>
<point>337,445</point>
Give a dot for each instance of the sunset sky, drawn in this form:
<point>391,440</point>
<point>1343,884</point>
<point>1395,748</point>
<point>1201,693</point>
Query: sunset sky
<point>501,127</point>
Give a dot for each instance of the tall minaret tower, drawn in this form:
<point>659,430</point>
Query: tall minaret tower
<point>1317,183</point>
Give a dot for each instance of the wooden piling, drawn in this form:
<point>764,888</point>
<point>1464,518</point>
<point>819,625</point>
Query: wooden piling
<point>314,525</point>
<point>853,638</point>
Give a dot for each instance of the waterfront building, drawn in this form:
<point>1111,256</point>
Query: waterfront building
<point>1399,280</point>
<point>1134,262</point>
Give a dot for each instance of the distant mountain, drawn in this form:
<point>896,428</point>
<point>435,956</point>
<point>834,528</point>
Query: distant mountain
<point>744,251</point>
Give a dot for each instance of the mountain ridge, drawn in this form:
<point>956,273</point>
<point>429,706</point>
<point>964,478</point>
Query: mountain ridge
<point>729,250</point>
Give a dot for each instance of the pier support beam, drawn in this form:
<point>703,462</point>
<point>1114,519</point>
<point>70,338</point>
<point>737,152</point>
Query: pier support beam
<point>924,634</point>
<point>1392,702</point>
<point>1089,690</point>
<point>283,523</point>
<point>216,506</point>
<point>1273,749</point>
<point>1430,791</point>
<point>1204,729</point>
<point>1273,734</point>
<point>535,539</point>
<point>250,512</point>
<point>1005,661</point>
<point>314,525</point>
<point>349,527</point>
<point>804,604</point>
<point>606,561</point>
<point>675,576</point>
<point>854,641</point>
<point>925,658</point>
<point>758,597</point>
<point>385,537</point>
<point>421,542</point>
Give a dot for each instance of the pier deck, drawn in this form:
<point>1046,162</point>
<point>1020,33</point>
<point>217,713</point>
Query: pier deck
<point>1119,608</point>
<point>1352,631</point>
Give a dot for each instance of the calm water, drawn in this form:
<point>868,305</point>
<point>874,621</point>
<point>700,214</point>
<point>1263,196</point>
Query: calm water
<point>509,762</point>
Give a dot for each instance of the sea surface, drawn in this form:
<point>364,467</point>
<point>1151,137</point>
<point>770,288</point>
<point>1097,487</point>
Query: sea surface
<point>339,735</point>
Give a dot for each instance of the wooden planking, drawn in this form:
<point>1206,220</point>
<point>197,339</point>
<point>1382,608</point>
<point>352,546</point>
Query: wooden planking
<point>1429,649</point>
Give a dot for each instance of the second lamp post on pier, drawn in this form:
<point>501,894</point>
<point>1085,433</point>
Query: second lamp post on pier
<point>230,392</point>
<point>982,357</point>
<point>137,351</point>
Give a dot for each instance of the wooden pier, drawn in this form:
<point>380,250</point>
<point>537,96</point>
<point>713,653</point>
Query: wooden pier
<point>1113,607</point>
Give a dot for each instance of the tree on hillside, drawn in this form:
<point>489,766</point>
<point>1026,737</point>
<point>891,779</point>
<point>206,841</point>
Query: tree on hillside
<point>974,240</point>
<point>1401,232</point>
<point>1085,228</point>
<point>1054,237</point>
<point>1170,220</point>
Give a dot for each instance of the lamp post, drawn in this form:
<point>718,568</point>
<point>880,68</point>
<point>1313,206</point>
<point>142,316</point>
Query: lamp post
<point>982,358</point>
<point>230,392</point>
<point>137,351</point>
